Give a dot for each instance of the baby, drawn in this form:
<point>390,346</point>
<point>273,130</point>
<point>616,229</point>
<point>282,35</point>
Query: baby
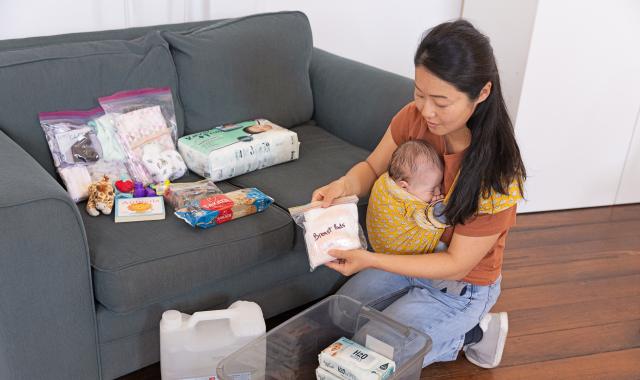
<point>416,167</point>
<point>396,221</point>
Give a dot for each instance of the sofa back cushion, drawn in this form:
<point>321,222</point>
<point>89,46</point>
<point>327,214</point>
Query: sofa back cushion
<point>73,76</point>
<point>240,69</point>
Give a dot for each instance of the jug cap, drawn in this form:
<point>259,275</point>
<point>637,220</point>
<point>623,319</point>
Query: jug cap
<point>172,319</point>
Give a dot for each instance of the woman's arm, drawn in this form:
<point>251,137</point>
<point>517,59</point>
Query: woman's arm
<point>463,254</point>
<point>360,178</point>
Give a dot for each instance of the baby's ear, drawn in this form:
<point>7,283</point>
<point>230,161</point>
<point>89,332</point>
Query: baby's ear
<point>403,184</point>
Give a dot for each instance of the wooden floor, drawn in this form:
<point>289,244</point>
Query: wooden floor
<point>571,286</point>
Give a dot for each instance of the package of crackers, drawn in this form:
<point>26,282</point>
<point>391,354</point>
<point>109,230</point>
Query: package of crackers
<point>221,208</point>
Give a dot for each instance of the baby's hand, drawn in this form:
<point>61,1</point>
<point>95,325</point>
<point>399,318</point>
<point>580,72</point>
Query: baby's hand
<point>437,195</point>
<point>436,198</point>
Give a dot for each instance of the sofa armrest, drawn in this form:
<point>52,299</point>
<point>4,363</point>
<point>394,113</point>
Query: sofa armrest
<point>47,311</point>
<point>354,101</point>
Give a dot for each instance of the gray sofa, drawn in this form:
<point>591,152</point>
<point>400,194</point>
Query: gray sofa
<point>81,297</point>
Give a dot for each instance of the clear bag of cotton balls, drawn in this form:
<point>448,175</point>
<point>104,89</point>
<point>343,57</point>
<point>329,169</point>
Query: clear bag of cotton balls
<point>333,227</point>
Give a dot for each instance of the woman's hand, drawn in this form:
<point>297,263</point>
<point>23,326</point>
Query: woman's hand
<point>359,180</point>
<point>328,193</point>
<point>351,261</point>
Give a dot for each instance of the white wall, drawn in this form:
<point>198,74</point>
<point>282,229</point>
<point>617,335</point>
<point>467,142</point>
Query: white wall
<point>579,102</point>
<point>629,190</point>
<point>28,18</point>
<point>381,33</point>
<point>509,25</point>
<point>384,34</point>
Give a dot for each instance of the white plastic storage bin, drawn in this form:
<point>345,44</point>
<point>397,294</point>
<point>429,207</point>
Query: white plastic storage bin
<point>192,346</point>
<point>290,351</point>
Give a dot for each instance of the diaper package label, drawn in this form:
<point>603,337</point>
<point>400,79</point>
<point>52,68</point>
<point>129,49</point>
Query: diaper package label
<point>349,360</point>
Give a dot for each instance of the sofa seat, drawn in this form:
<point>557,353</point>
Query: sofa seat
<point>323,158</point>
<point>140,263</point>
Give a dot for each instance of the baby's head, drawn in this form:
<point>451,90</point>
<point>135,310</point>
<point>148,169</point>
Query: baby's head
<point>416,167</point>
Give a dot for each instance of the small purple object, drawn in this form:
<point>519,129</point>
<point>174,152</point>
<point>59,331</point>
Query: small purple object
<point>138,190</point>
<point>150,192</point>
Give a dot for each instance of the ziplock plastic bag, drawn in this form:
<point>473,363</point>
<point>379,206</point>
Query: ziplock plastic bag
<point>189,194</point>
<point>146,126</point>
<point>131,100</point>
<point>334,227</point>
<point>77,150</point>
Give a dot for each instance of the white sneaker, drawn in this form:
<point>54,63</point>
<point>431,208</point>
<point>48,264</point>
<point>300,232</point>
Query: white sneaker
<point>487,353</point>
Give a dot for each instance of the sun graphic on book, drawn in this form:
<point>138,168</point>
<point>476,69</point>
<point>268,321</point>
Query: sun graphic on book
<point>139,207</point>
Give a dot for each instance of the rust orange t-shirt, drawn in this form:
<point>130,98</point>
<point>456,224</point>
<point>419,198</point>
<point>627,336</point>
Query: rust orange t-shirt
<point>408,124</point>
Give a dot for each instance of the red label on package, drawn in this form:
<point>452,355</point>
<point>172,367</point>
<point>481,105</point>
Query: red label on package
<point>216,203</point>
<point>224,216</point>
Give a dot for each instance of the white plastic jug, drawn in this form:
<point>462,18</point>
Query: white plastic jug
<point>191,346</point>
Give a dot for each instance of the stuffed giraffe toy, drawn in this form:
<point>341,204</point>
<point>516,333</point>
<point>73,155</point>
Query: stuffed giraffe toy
<point>101,196</point>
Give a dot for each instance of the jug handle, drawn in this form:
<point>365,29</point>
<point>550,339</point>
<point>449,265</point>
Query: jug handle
<point>202,316</point>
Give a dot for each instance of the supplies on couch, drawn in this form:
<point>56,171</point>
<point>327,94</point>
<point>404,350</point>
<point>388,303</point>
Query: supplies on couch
<point>334,227</point>
<point>146,126</point>
<point>221,208</point>
<point>234,149</point>
<point>83,147</point>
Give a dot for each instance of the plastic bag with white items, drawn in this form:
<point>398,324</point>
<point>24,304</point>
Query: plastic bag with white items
<point>131,100</point>
<point>74,146</point>
<point>146,125</point>
<point>334,227</point>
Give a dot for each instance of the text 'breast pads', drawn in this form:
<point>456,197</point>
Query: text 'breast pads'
<point>334,227</point>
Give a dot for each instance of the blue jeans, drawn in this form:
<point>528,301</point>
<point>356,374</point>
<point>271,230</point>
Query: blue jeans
<point>444,310</point>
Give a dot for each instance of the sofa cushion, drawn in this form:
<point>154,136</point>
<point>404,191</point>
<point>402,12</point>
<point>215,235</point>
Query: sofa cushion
<point>245,68</point>
<point>138,264</point>
<point>280,272</point>
<point>73,76</point>
<point>323,158</point>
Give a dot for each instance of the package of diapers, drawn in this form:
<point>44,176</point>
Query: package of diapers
<point>334,227</point>
<point>145,124</point>
<point>346,359</point>
<point>234,149</point>
<point>82,151</point>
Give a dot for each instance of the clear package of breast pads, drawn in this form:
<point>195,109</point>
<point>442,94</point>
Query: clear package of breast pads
<point>333,227</point>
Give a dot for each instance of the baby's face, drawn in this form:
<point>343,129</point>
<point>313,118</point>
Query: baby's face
<point>424,183</point>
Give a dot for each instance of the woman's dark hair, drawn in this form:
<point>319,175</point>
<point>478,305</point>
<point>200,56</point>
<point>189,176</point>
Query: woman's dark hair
<point>459,54</point>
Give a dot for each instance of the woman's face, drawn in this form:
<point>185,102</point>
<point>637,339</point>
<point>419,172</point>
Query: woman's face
<point>444,108</point>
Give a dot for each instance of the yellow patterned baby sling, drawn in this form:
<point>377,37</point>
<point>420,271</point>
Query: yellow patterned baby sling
<point>402,224</point>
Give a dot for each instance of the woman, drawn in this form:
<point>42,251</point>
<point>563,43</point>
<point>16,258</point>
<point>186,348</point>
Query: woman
<point>458,108</point>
